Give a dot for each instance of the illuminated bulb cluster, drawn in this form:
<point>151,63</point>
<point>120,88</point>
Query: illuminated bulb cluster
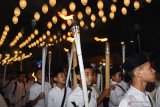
<point>27,41</point>
<point>4,35</point>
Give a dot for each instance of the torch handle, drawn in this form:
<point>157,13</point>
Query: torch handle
<point>44,53</point>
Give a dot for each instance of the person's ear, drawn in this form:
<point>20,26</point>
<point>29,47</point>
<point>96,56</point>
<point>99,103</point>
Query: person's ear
<point>55,78</point>
<point>78,77</point>
<point>139,72</point>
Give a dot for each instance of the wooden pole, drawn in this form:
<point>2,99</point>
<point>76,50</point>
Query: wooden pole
<point>49,65</point>
<point>107,66</point>
<point>123,56</point>
<point>44,53</point>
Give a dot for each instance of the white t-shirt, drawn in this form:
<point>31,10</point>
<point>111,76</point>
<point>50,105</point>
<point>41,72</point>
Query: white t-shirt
<point>2,102</point>
<point>158,96</point>
<point>28,86</point>
<point>36,90</point>
<point>55,96</point>
<point>76,97</point>
<point>136,98</point>
<point>117,94</point>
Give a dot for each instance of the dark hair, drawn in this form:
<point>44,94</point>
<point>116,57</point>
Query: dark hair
<point>57,70</point>
<point>86,65</point>
<point>114,70</point>
<point>20,73</point>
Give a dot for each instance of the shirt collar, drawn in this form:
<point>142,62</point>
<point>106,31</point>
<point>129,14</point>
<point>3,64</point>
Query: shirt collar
<point>138,91</point>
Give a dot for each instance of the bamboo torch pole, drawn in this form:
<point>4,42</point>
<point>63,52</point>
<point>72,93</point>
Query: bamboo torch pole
<point>44,53</point>
<point>123,55</point>
<point>107,67</point>
<point>49,65</point>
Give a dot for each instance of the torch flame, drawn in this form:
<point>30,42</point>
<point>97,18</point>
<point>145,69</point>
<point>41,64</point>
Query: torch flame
<point>70,17</point>
<point>70,39</point>
<point>100,39</point>
<point>66,50</point>
<point>33,75</point>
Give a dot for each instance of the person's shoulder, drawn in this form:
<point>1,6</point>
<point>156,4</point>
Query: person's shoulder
<point>69,89</point>
<point>34,86</point>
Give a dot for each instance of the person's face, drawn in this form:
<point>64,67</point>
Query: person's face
<point>148,73</point>
<point>60,78</point>
<point>21,77</point>
<point>39,75</point>
<point>89,76</point>
<point>30,77</point>
<point>117,77</point>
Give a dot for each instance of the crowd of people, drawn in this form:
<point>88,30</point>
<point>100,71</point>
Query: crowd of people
<point>24,91</point>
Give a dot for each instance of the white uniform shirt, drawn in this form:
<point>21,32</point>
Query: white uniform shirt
<point>158,96</point>
<point>18,98</point>
<point>55,96</point>
<point>136,98</point>
<point>117,94</point>
<point>35,90</point>
<point>2,102</point>
<point>77,97</point>
<point>98,93</point>
<point>28,86</point>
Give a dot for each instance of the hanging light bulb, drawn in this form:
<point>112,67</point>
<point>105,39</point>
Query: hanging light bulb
<point>100,4</point>
<point>104,19</point>
<point>126,2</point>
<point>63,26</point>
<point>40,39</point>
<point>84,2</point>
<point>124,11</point>
<point>44,36</point>
<point>111,15</point>
<point>19,34</point>
<point>113,8</point>
<point>6,28</point>
<point>45,8</point>
<point>22,4</point>
<point>82,23</point>
<point>29,39</point>
<point>17,11</point>
<point>49,25</point>
<point>51,39</point>
<point>80,15</point>
<point>92,24</point>
<point>148,1</point>
<point>64,37</point>
<point>36,32</point>
<point>64,12</point>
<point>69,22</point>
<point>93,17</point>
<point>101,13</point>
<point>136,5</point>
<point>37,41</point>
<point>36,16</point>
<point>69,33</point>
<point>15,19</point>
<point>72,6</point>
<point>54,37</point>
<point>32,36</point>
<point>88,10</point>
<point>52,3</point>
<point>54,19</point>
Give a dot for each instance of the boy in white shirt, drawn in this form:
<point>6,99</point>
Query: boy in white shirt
<point>76,99</point>
<point>58,94</point>
<point>141,72</point>
<point>36,97</point>
<point>120,86</point>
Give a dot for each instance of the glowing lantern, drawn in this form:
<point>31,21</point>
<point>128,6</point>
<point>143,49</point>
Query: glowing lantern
<point>49,25</point>
<point>136,5</point>
<point>54,37</point>
<point>64,12</point>
<point>111,15</point>
<point>48,33</point>
<point>101,13</point>
<point>69,22</point>
<point>93,17</point>
<point>45,8</point>
<point>52,3</point>
<point>36,16</point>
<point>17,38</point>
<point>124,11</point>
<point>29,38</point>
<point>51,39</point>
<point>82,23</point>
<point>6,28</point>
<point>15,19</point>
<point>126,2</point>
<point>22,4</point>
<point>104,19</point>
<point>84,2</point>
<point>69,33</point>
<point>32,36</point>
<point>44,36</point>
<point>20,34</point>
<point>29,46</point>
<point>88,10</point>
<point>40,39</point>
<point>63,26</point>
<point>36,32</point>
<point>113,8</point>
<point>80,15</point>
<point>100,4</point>
<point>92,24</point>
<point>64,37</point>
<point>54,19</point>
<point>148,1</point>
<point>17,11</point>
<point>72,6</point>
